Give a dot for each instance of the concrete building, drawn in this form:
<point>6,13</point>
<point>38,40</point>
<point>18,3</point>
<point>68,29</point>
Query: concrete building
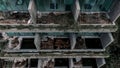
<point>56,33</point>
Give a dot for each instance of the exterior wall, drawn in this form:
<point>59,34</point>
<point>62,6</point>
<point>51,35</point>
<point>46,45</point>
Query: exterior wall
<point>45,61</point>
<point>95,5</point>
<point>44,5</point>
<point>106,39</point>
<point>115,11</point>
<point>11,5</point>
<point>100,62</point>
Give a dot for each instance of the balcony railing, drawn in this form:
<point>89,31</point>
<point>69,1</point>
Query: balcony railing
<point>56,55</point>
<point>58,28</point>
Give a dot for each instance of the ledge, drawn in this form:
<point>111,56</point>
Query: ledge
<point>57,28</point>
<point>57,55</point>
<point>49,51</point>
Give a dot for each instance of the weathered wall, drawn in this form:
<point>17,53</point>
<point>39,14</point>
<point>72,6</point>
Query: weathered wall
<point>115,11</point>
<point>100,62</point>
<point>106,39</point>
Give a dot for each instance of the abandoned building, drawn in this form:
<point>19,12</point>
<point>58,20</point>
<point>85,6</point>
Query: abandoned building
<point>56,33</point>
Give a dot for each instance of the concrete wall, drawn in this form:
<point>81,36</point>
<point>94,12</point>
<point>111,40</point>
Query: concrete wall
<point>115,11</point>
<point>100,62</point>
<point>106,39</point>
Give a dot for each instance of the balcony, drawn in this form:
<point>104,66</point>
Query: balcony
<point>47,63</point>
<point>13,43</point>
<point>28,43</point>
<point>54,62</point>
<point>57,42</point>
<point>41,18</point>
<point>84,62</point>
<point>52,54</point>
<point>58,23</point>
<point>87,62</point>
<point>88,43</point>
<point>20,63</point>
<point>17,43</point>
<point>94,18</point>
<point>15,18</point>
<point>56,18</point>
<point>84,18</point>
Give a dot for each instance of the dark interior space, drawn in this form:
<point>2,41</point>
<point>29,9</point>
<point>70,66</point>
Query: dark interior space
<point>89,62</point>
<point>26,63</point>
<point>87,6</point>
<point>28,43</point>
<point>80,43</point>
<point>67,7</point>
<point>93,43</point>
<point>33,62</point>
<point>19,15</point>
<point>1,36</point>
<point>1,63</point>
<point>60,62</point>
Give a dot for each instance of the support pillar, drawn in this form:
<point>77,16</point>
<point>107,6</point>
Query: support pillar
<point>33,12</point>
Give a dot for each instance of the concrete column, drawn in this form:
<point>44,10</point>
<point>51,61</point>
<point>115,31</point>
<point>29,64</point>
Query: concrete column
<point>37,41</point>
<point>71,63</point>
<point>39,63</point>
<point>76,10</point>
<point>29,63</point>
<point>115,11</point>
<point>73,40</point>
<point>33,12</point>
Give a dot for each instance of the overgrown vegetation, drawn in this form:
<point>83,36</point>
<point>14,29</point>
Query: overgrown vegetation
<point>114,50</point>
